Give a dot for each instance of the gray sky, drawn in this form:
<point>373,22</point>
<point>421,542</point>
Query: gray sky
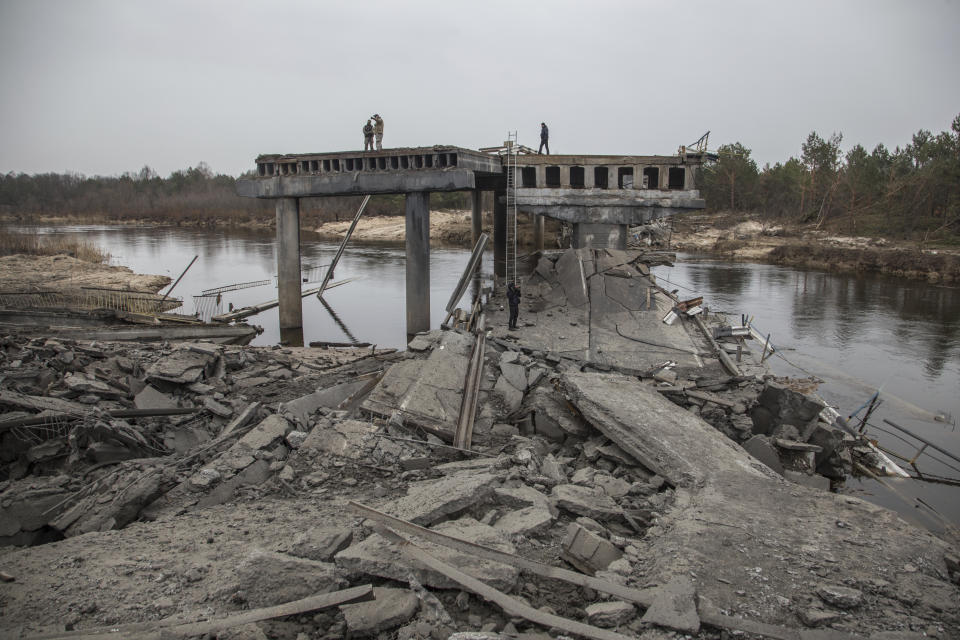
<point>103,87</point>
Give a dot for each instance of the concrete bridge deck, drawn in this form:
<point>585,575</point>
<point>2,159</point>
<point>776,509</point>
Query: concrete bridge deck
<point>600,195</point>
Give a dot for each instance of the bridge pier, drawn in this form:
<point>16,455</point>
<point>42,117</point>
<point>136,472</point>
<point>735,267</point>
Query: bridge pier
<point>500,232</point>
<point>538,226</point>
<point>599,236</point>
<point>476,214</point>
<point>418,261</point>
<point>288,264</point>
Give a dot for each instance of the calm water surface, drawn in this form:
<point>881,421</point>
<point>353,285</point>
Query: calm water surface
<point>856,333</point>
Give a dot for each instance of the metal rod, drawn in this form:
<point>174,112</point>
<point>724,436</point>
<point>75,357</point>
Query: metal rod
<point>343,245</point>
<point>923,440</point>
<point>178,280</point>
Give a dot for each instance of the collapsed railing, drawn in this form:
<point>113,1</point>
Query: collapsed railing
<point>89,298</point>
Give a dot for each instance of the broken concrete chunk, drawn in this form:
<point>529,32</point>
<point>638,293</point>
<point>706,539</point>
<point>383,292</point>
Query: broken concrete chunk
<point>80,383</point>
<point>151,398</point>
<point>674,606</point>
<point>516,375</point>
<point>217,409</point>
<point>180,367</point>
<point>389,608</point>
<point>553,470</point>
<point>270,430</point>
<point>525,521</point>
<point>584,501</point>
<point>613,487</point>
<point>349,438</point>
<point>814,481</point>
<point>375,556</point>
<point>521,497</point>
<point>510,396</point>
<point>321,544</point>
<point>610,614</point>
<point>587,551</point>
<point>269,578</point>
<point>840,597</point>
<point>430,501</point>
<point>761,449</point>
<point>296,438</point>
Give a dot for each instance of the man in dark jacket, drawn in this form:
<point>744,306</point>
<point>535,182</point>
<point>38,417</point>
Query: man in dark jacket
<point>544,138</point>
<point>513,298</point>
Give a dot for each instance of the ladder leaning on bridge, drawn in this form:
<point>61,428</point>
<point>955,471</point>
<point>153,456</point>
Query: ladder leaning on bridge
<point>511,196</point>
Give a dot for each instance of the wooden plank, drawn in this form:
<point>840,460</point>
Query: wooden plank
<point>174,628</point>
<point>509,605</point>
<point>643,598</point>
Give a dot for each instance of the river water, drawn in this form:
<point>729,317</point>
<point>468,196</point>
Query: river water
<point>856,333</point>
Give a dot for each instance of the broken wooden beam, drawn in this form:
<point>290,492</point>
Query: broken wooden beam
<point>177,629</point>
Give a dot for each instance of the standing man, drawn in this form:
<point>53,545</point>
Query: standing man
<point>378,130</point>
<point>513,298</point>
<point>544,138</point>
<point>368,136</point>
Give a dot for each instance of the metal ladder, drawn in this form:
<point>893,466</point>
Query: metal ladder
<point>511,252</point>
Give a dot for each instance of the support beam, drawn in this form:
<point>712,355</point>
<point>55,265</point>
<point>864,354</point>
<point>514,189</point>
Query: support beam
<point>599,236</point>
<point>418,262</point>
<point>500,232</point>
<point>476,215</point>
<point>288,263</point>
<point>538,226</point>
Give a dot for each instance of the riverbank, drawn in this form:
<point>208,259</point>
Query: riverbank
<point>745,238</point>
<point>22,273</point>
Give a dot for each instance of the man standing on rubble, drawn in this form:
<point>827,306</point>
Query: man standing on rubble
<point>513,298</point>
<point>368,136</point>
<point>378,130</point>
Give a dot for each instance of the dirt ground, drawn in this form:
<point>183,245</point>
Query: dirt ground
<point>62,272</point>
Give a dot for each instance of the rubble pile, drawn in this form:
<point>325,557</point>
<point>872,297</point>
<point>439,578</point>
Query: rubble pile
<point>316,494</point>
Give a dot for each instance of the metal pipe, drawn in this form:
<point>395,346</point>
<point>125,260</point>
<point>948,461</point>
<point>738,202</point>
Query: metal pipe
<point>923,440</point>
<point>177,282</point>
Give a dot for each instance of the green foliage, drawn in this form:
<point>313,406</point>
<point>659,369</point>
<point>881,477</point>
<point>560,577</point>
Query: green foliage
<point>912,192</point>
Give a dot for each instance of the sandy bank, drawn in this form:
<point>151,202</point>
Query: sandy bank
<point>61,272</point>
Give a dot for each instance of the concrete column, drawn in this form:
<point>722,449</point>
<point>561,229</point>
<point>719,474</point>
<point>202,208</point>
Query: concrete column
<point>564,176</point>
<point>288,263</point>
<point>418,262</point>
<point>538,226</point>
<point>541,176</point>
<point>588,177</point>
<point>476,214</point>
<point>500,232</point>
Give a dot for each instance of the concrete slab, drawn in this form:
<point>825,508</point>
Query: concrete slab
<point>268,578</point>
<point>587,551</point>
<point>521,497</point>
<point>508,394</point>
<point>271,429</point>
<point>764,451</point>
<point>152,398</point>
<point>515,374</point>
<point>389,608</point>
<point>352,439</point>
<point>674,606</point>
<point>429,389</point>
<point>430,501</point>
<point>525,521</point>
<point>584,501</point>
<point>302,408</point>
<point>571,276</point>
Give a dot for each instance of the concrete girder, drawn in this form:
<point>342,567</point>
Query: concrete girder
<point>357,183</point>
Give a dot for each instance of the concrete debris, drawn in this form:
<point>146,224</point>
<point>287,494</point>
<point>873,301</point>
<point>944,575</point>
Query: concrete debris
<point>375,556</point>
<point>674,606</point>
<point>587,551</point>
<point>616,468</point>
<point>390,608</point>
<point>430,501</point>
<point>584,501</point>
<point>610,615</point>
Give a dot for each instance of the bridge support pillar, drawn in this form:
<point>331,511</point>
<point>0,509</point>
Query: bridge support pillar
<point>288,263</point>
<point>476,214</point>
<point>500,233</point>
<point>418,262</point>
<point>599,236</point>
<point>538,226</point>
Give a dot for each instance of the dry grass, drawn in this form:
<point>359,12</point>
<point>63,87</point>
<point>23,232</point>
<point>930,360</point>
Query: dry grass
<point>17,243</point>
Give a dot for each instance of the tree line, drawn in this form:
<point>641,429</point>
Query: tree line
<point>911,192</point>
<point>195,195</point>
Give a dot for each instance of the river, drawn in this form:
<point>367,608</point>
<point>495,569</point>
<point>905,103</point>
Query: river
<point>857,333</point>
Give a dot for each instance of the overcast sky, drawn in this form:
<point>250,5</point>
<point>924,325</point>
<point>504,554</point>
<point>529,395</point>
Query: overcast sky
<point>103,87</point>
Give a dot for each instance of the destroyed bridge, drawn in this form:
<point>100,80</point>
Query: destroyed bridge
<point>600,196</point>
